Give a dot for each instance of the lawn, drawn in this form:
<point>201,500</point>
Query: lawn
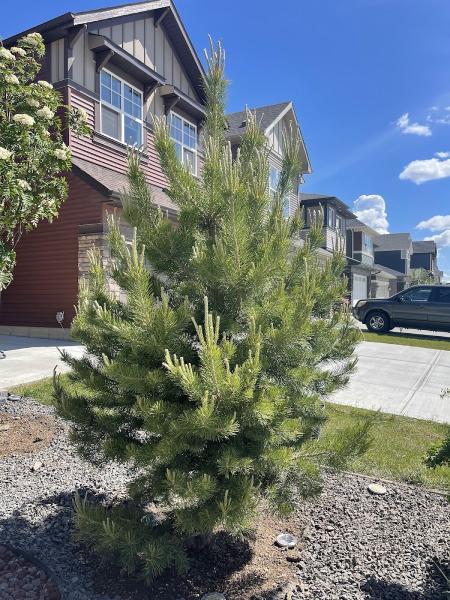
<point>399,443</point>
<point>408,339</point>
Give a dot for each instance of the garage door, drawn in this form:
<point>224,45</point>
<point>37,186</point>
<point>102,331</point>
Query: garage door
<point>359,288</point>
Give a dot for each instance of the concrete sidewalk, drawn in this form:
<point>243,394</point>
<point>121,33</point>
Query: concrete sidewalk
<point>29,359</point>
<point>402,380</point>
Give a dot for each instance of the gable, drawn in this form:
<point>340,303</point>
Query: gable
<point>285,123</point>
<point>150,43</point>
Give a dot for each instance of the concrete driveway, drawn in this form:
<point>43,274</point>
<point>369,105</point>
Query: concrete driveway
<point>402,380</point>
<point>29,359</point>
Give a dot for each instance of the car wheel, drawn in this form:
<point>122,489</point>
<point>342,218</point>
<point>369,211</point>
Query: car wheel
<point>378,322</point>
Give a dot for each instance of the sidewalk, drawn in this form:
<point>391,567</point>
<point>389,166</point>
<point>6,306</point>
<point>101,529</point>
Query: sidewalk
<point>29,359</point>
<point>403,380</point>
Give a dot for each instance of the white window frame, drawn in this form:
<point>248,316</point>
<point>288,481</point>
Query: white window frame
<point>121,111</point>
<point>183,145</point>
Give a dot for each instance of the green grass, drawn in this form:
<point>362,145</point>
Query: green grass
<point>408,339</point>
<point>398,448</point>
<point>399,443</point>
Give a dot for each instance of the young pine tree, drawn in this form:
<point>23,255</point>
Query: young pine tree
<point>209,378</point>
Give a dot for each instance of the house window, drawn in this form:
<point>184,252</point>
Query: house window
<point>274,180</point>
<point>331,217</point>
<point>367,244</point>
<point>121,110</point>
<point>184,136</point>
<point>340,224</point>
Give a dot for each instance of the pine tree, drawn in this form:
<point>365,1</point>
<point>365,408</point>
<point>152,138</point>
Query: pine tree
<point>210,377</point>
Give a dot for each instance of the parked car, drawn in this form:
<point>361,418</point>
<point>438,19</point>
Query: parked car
<point>418,307</point>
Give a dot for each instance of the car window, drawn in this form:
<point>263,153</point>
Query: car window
<point>443,295</point>
<point>417,295</point>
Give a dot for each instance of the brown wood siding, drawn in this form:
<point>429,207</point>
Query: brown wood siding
<point>46,273</point>
<point>108,156</point>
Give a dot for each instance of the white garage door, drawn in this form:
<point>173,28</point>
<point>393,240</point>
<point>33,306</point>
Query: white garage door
<point>359,288</point>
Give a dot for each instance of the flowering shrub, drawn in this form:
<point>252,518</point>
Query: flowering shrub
<point>33,157</point>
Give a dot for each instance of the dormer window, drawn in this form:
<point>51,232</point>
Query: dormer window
<point>184,136</point>
<point>121,110</point>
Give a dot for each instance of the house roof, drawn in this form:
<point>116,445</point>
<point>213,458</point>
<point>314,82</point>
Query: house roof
<point>164,9</point>
<point>361,226</point>
<point>314,199</point>
<point>112,184</point>
<point>392,241</point>
<point>388,271</point>
<point>424,247</point>
<point>266,117</point>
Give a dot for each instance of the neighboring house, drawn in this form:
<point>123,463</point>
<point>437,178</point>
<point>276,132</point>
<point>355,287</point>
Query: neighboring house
<point>394,251</point>
<point>335,215</point>
<point>275,121</point>
<point>122,65</point>
<point>367,279</point>
<point>424,256</point>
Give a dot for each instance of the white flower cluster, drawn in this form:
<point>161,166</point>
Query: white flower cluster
<point>18,51</point>
<point>45,84</point>
<point>5,53</point>
<point>23,119</point>
<point>45,113</point>
<point>62,153</point>
<point>24,185</point>
<point>4,153</point>
<point>82,114</point>
<point>12,79</point>
<point>34,39</point>
<point>32,102</point>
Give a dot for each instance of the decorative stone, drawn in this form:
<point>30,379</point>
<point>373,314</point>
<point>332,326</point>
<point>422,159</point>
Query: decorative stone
<point>286,540</point>
<point>214,596</point>
<point>377,489</point>
<point>5,427</point>
<point>36,466</point>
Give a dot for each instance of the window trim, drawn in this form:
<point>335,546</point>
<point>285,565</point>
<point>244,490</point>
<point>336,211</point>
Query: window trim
<point>183,146</point>
<point>121,112</point>
<point>331,212</point>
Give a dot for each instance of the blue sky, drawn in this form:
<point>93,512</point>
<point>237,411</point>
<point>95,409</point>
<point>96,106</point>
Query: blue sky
<point>370,80</point>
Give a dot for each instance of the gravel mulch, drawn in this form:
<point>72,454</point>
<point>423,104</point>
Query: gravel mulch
<point>21,579</point>
<point>353,545</point>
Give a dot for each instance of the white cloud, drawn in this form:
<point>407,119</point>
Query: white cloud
<point>436,223</point>
<point>442,239</point>
<point>442,154</point>
<point>371,210</point>
<point>406,127</point>
<point>439,115</point>
<point>420,171</point>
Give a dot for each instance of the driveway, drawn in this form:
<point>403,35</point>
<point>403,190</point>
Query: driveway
<point>402,380</point>
<point>29,359</point>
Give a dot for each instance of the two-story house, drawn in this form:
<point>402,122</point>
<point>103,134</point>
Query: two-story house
<point>275,121</point>
<point>394,251</point>
<point>122,65</point>
<point>367,279</point>
<point>424,256</point>
<point>335,215</point>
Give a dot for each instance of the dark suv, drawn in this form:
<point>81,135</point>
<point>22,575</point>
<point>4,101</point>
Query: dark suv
<point>418,307</point>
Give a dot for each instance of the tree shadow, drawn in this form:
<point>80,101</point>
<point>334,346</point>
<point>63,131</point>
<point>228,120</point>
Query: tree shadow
<point>435,587</point>
<point>72,565</point>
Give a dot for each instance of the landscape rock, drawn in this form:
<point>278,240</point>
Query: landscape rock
<point>377,489</point>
